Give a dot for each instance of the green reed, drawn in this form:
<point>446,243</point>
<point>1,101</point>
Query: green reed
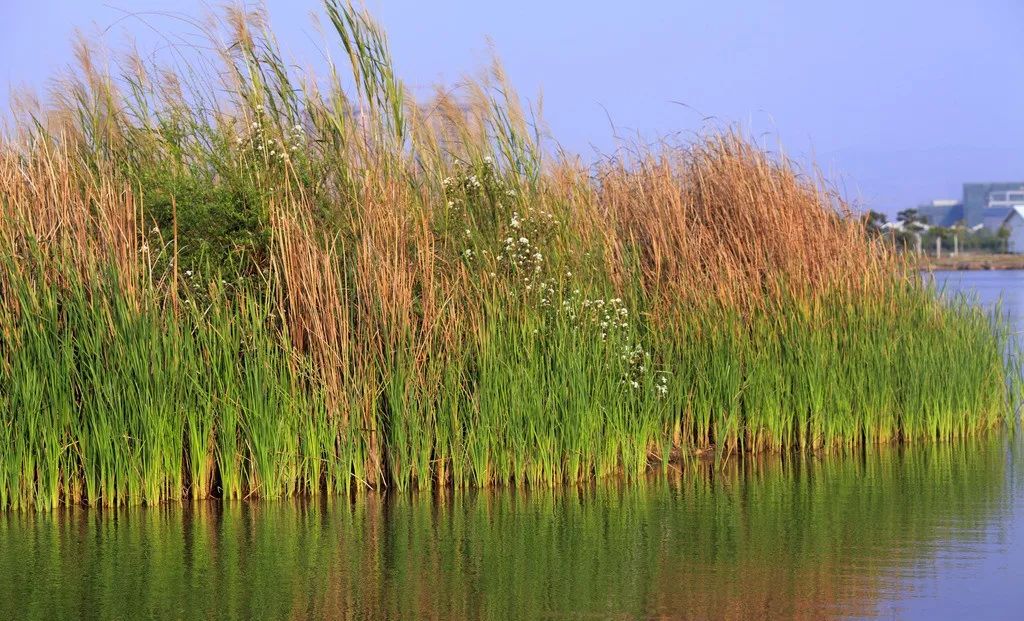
<point>109,401</point>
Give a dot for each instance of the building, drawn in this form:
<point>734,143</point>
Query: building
<point>1000,205</point>
<point>945,212</point>
<point>986,204</point>
<point>990,203</point>
<point>1014,223</point>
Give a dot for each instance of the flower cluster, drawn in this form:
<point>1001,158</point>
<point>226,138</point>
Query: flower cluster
<point>610,320</point>
<point>547,291</point>
<point>458,189</point>
<point>635,361</point>
<point>475,183</point>
<point>522,251</point>
<point>661,384</point>
<point>296,137</point>
<point>611,316</point>
<point>474,196</point>
<point>534,221</point>
<point>468,182</point>
<point>523,256</point>
<point>259,141</point>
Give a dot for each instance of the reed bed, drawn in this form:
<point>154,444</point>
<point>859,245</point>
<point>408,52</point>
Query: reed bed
<point>223,277</point>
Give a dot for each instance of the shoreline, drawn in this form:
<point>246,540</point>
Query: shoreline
<point>973,262</point>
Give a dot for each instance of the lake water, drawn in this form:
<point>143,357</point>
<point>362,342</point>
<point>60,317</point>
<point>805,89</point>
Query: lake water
<point>989,288</point>
<point>931,532</point>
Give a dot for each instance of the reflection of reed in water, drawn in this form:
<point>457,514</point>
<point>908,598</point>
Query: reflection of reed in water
<point>785,538</point>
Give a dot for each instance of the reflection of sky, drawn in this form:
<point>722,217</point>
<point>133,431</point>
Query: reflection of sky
<point>989,287</point>
<point>978,575</point>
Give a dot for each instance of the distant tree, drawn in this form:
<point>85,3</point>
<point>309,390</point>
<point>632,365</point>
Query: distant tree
<point>912,220</point>
<point>913,224</point>
<point>959,231</point>
<point>1004,239</point>
<point>873,222</point>
<point>943,234</point>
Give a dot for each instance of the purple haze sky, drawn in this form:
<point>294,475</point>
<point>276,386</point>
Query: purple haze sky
<point>899,101</point>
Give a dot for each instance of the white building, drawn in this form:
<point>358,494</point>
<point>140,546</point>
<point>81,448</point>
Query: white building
<point>1014,223</point>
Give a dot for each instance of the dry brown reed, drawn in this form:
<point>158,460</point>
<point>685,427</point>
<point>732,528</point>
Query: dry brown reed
<point>724,222</point>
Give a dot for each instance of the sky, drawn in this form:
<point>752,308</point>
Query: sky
<point>897,101</point>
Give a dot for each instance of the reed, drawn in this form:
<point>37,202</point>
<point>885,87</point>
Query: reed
<point>225,278</point>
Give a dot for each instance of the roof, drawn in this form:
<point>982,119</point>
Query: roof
<point>1017,210</point>
<point>897,225</point>
<point>942,215</point>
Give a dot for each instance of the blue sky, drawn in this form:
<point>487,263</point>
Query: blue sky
<point>899,101</point>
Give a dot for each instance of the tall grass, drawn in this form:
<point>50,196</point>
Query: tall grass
<point>225,278</point>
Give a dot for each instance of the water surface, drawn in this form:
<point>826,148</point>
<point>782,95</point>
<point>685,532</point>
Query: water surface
<point>926,532</point>
<point>1004,287</point>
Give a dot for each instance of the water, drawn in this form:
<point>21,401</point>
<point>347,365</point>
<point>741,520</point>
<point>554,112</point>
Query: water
<point>930,532</point>
<point>989,288</point>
